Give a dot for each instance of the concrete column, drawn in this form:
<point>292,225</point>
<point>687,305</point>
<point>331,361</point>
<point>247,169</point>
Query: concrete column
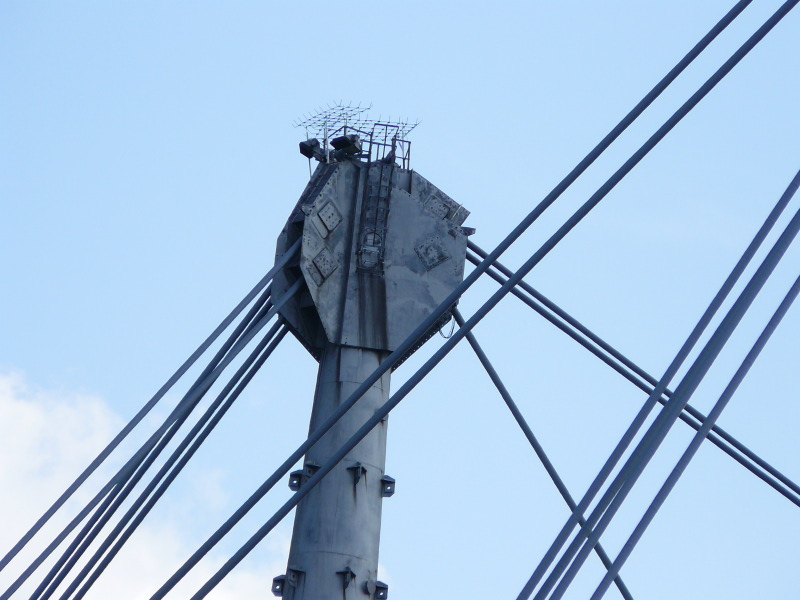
<point>337,526</point>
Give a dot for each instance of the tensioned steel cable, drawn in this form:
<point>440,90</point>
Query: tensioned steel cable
<point>439,312</point>
<point>624,366</point>
<point>192,397</point>
<point>148,407</point>
<point>87,535</point>
<point>697,440</point>
<point>622,483</point>
<point>183,460</point>
<point>112,503</point>
<point>61,569</point>
<point>609,503</point>
<point>113,486</point>
<point>696,416</point>
<point>534,442</point>
<point>177,461</point>
<point>694,336</point>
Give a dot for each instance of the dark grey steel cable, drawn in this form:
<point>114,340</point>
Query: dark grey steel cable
<point>537,447</point>
<point>612,499</point>
<point>445,306</point>
<point>696,414</point>
<point>114,500</point>
<point>109,492</point>
<point>724,441</point>
<point>147,407</point>
<point>697,440</point>
<point>177,461</point>
<point>184,459</point>
<point>196,395</point>
<point>718,75</point>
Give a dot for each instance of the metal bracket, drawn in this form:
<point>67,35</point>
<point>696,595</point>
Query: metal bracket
<point>280,582</point>
<point>381,591</point>
<point>278,585</point>
<point>293,577</point>
<point>295,480</point>
<point>299,477</point>
<point>358,470</point>
<point>309,469</point>
<point>347,576</point>
<point>387,486</point>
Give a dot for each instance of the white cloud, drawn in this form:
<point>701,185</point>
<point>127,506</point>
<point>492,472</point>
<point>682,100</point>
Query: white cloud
<point>46,439</point>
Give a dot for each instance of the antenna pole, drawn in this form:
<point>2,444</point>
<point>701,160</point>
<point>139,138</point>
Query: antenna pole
<point>334,551</point>
<point>382,247</point>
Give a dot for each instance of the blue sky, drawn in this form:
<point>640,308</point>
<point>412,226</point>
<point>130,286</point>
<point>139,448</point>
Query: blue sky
<point>149,163</point>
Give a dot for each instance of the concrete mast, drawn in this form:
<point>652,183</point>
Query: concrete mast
<point>381,248</point>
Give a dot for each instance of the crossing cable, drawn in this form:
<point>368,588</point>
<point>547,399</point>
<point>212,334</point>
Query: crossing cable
<point>124,473</point>
<point>537,447</point>
<point>710,83</point>
<point>261,320</point>
<point>186,405</point>
<point>609,503</point>
<point>624,366</point>
<point>698,438</point>
<point>177,461</point>
<point>445,306</point>
<point>148,406</point>
<point>451,299</point>
<point>647,447</point>
<point>185,458</point>
<point>114,500</point>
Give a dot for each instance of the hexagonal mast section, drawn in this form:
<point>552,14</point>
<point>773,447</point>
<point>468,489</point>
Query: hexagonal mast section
<point>381,248</point>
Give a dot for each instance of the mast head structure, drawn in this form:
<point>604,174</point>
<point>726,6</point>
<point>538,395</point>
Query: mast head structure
<point>381,245</point>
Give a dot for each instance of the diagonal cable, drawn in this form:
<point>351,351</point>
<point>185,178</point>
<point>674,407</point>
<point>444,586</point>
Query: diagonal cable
<point>569,564</point>
<point>112,503</point>
<point>697,440</point>
<point>110,492</point>
<point>147,407</point>
<point>113,486</point>
<point>196,394</point>
<point>537,447</point>
<point>624,366</point>
<point>694,336</point>
<point>177,461</point>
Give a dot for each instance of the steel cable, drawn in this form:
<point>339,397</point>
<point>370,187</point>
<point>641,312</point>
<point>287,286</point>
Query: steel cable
<point>624,366</point>
<point>179,459</point>
<point>537,447</point>
<point>113,486</point>
<point>699,328</point>
<point>618,490</point>
<point>147,407</point>
<point>697,440</point>
<point>243,335</point>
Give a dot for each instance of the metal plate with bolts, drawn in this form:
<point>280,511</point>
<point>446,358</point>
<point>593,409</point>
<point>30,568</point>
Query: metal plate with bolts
<point>330,216</point>
<point>431,252</point>
<point>325,262</point>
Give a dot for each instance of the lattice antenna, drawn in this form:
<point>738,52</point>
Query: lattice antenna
<point>385,139</point>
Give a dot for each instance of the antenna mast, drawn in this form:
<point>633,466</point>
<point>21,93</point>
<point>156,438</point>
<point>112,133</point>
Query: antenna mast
<point>381,248</point>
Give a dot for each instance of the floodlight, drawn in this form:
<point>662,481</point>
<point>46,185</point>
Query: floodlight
<point>312,149</point>
<point>350,143</point>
